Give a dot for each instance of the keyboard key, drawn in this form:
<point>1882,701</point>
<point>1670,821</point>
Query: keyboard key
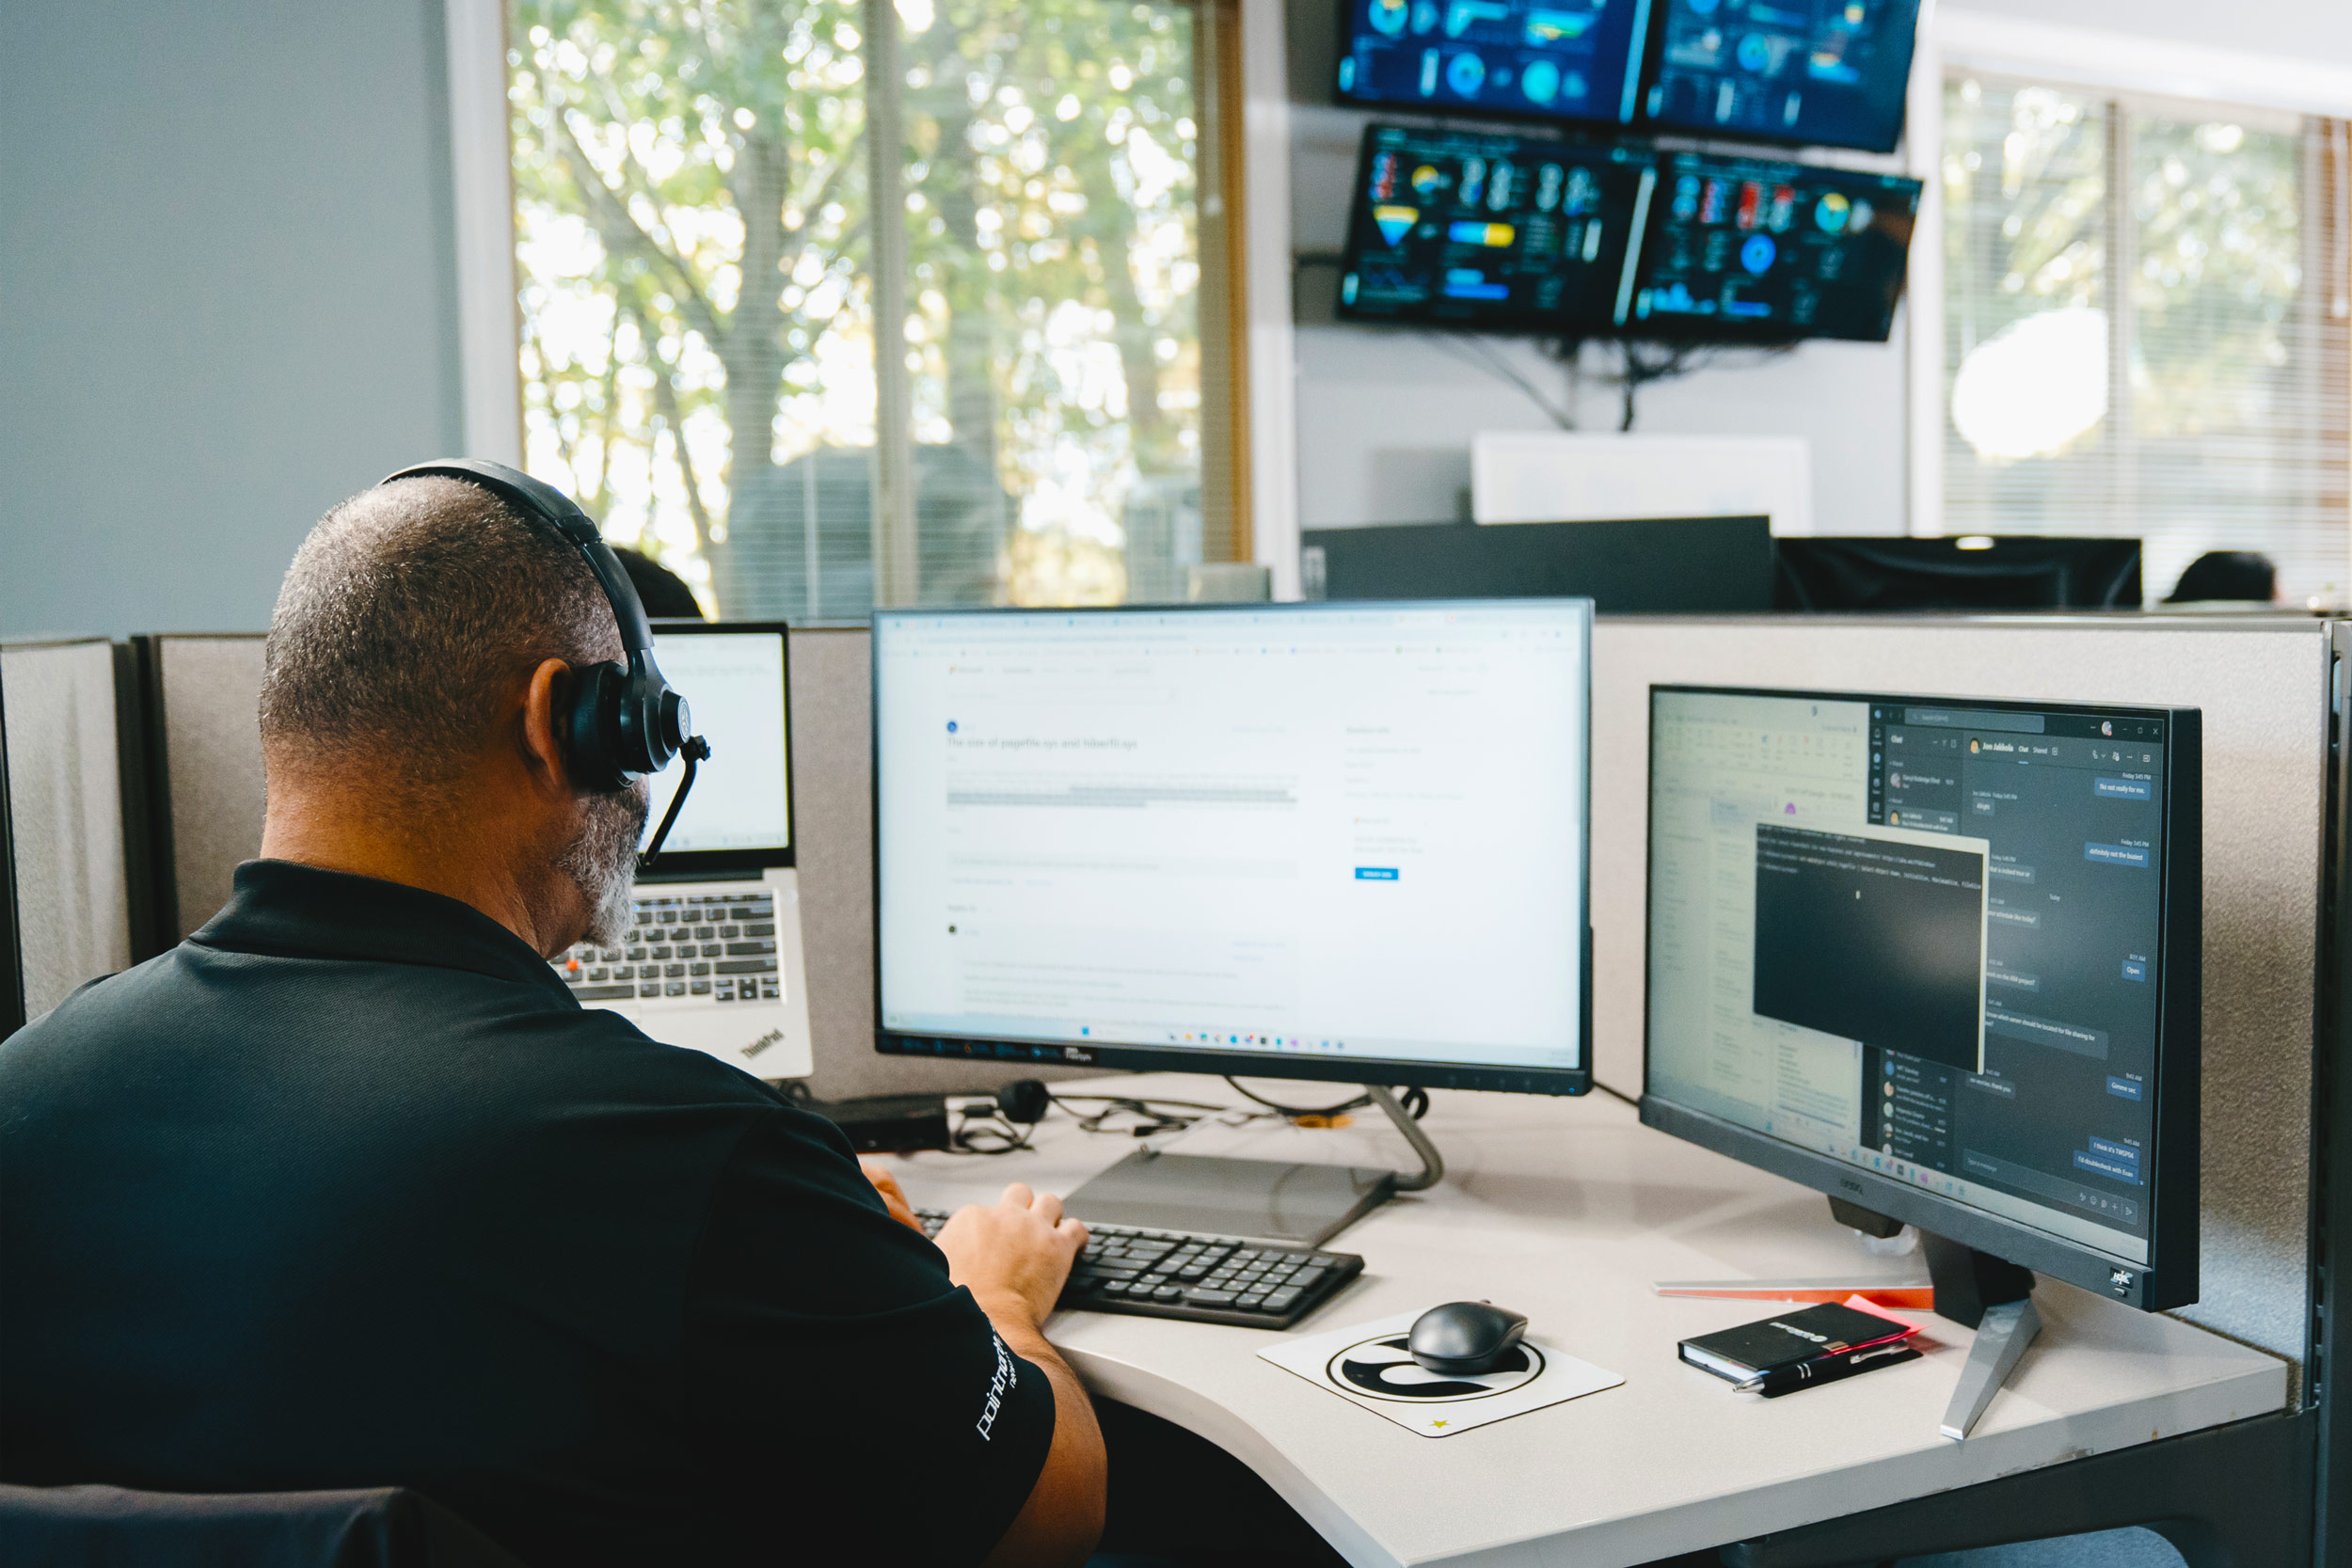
<point>649,988</point>
<point>746,966</point>
<point>611,955</point>
<point>1251,1301</point>
<point>1282,1300</point>
<point>666,917</point>
<point>1200,1295</point>
<point>728,933</point>
<point>674,972</point>
<point>605,993</point>
<point>766,930</point>
<point>661,953</point>
<point>1168,1293</point>
<point>713,949</point>
<point>699,987</point>
<point>739,949</point>
<point>626,972</point>
<point>636,955</point>
<point>674,988</point>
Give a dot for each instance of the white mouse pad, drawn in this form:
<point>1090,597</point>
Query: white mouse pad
<point>1368,1365</point>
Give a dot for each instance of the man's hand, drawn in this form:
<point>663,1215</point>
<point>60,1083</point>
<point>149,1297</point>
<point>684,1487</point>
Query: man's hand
<point>1015,1256</point>
<point>894,1197</point>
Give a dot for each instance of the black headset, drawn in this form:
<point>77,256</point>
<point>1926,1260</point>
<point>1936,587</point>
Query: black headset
<point>624,720</point>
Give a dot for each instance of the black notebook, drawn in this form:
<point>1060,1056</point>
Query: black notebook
<point>1753,1349</point>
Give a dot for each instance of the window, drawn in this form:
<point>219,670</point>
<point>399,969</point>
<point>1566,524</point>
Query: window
<point>706,295</point>
<point>2144,327</point>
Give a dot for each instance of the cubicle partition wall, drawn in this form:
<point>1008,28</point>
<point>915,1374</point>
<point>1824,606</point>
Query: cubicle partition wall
<point>203,730</point>
<point>66,905</point>
<point>2263,685</point>
<point>203,698</point>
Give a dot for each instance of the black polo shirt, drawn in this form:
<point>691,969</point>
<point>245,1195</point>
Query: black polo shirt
<point>347,1190</point>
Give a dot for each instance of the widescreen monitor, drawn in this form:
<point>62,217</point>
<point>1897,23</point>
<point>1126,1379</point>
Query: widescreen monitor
<point>1966,572</point>
<point>1553,59</point>
<point>734,675</point>
<point>1476,229</point>
<point>1636,567</point>
<point>1818,72</point>
<point>1763,250</point>
<point>1337,842</point>
<point>1938,957</point>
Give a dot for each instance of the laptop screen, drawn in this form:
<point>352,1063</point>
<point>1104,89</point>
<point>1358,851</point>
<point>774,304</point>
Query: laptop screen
<point>735,682</point>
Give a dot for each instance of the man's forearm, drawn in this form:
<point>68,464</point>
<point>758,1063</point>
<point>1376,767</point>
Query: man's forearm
<point>1062,1520</point>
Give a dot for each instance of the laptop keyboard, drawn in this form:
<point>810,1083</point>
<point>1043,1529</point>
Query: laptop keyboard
<point>699,948</point>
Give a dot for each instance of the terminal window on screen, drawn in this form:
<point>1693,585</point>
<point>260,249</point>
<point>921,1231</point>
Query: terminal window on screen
<point>1212,830</point>
<point>1981,1020</point>
<point>1872,941</point>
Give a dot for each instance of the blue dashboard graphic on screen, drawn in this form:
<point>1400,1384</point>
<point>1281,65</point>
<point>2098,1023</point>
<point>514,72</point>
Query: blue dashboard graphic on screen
<point>1478,229</point>
<point>1824,72</point>
<point>1759,249</point>
<point>1570,59</point>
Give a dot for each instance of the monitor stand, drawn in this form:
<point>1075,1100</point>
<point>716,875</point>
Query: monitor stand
<point>1264,1200</point>
<point>1977,1290</point>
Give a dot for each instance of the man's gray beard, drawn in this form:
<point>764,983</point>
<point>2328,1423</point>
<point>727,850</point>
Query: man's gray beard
<point>602,862</point>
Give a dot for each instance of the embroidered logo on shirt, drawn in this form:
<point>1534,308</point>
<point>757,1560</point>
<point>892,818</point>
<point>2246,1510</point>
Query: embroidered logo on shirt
<point>1007,1377</point>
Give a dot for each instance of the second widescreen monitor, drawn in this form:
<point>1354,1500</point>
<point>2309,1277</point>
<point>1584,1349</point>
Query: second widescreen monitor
<point>1527,234</point>
<point>1820,72</point>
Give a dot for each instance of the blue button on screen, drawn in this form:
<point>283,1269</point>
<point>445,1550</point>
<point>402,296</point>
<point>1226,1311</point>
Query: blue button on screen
<point>2134,970</point>
<point>2121,789</point>
<point>1375,872</point>
<point>2124,1088</point>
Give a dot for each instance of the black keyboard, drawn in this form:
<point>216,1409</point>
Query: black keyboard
<point>1205,1280</point>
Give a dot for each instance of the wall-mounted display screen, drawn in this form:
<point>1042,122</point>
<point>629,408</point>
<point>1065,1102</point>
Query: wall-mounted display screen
<point>1823,72</point>
<point>1483,230</point>
<point>1762,250</point>
<point>1566,59</point>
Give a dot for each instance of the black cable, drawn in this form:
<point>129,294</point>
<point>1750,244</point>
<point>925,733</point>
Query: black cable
<point>1416,1102</point>
<point>1617,1094</point>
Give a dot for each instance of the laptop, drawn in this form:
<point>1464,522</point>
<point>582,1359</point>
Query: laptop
<point>713,962</point>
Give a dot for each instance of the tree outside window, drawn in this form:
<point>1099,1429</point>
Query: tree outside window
<point>697,252</point>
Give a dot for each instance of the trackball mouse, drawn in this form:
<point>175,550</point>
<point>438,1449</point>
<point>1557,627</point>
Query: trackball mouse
<point>1464,1336</point>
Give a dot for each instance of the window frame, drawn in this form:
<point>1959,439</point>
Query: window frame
<point>1252,187</point>
<point>2141,71</point>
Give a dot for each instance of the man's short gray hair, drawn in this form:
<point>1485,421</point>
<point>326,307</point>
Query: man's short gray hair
<point>410,610</point>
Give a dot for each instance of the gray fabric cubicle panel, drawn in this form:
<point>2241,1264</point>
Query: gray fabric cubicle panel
<point>212,756</point>
<point>65,804</point>
<point>2263,686</point>
<point>208,690</point>
<point>833,812</point>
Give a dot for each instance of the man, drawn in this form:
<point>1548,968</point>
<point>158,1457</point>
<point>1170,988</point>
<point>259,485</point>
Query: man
<point>347,1190</point>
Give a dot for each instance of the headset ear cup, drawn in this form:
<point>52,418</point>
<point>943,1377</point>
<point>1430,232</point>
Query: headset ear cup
<point>591,737</point>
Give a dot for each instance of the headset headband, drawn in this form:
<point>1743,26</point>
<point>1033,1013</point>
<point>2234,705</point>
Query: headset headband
<point>623,722</point>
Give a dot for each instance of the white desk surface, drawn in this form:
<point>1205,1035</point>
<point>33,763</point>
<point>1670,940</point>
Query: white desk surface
<point>1569,1210</point>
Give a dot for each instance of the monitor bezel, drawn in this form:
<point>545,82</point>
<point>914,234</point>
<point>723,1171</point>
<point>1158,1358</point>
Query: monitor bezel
<point>1243,1063</point>
<point>1513,324</point>
<point>1637,65</point>
<point>1712,330</point>
<point>685,865</point>
<point>1653,63</point>
<point>2169,1277</point>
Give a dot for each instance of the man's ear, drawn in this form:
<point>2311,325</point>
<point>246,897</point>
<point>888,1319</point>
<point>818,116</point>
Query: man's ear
<point>549,691</point>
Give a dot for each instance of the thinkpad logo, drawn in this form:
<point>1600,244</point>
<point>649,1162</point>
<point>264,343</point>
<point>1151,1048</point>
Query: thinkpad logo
<point>763,1043</point>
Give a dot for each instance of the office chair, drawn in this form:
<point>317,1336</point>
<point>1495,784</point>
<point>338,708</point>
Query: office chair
<point>99,1526</point>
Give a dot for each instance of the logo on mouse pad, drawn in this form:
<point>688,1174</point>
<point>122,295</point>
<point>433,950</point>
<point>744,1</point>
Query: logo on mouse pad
<point>1385,1369</point>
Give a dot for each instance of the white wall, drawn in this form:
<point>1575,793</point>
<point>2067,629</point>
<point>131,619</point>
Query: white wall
<point>229,301</point>
<point>1384,414</point>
